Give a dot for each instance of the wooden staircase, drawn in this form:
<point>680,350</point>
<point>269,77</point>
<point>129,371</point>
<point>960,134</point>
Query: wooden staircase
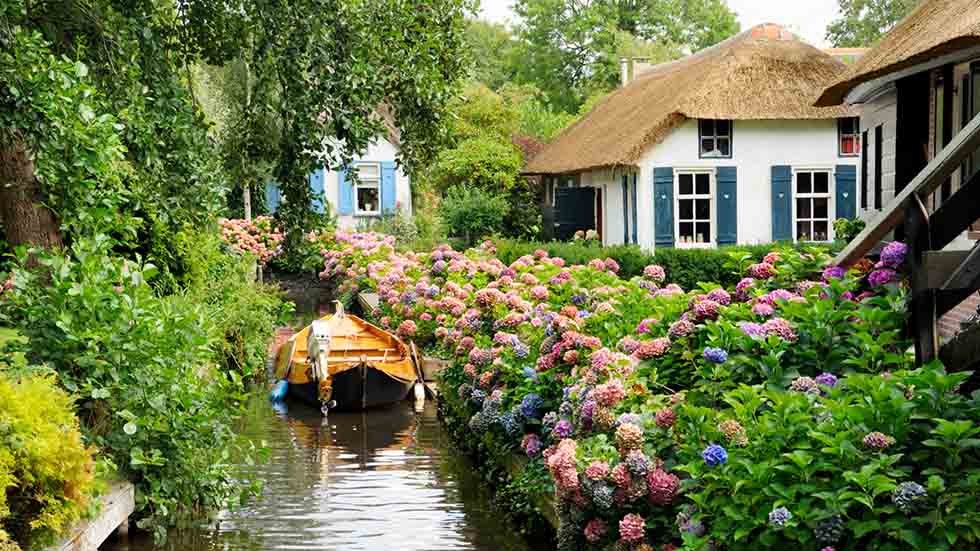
<point>940,280</point>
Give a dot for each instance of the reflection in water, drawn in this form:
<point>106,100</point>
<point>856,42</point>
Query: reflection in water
<point>378,480</point>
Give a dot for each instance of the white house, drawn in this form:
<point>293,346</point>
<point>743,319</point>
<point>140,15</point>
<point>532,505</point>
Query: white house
<point>381,189</point>
<point>718,148</point>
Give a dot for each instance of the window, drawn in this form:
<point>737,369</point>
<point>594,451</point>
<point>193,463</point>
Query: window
<point>879,155</point>
<point>693,207</point>
<point>849,137</point>
<point>715,138</point>
<point>812,208</point>
<point>368,190</point>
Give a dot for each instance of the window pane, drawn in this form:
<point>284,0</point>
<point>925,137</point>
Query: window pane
<point>803,182</point>
<point>367,172</point>
<point>707,128</point>
<point>848,145</point>
<point>803,208</point>
<point>821,182</point>
<point>724,128</point>
<point>703,209</point>
<point>686,182</point>
<point>686,209</point>
<point>687,232</point>
<point>708,147</point>
<point>820,231</point>
<point>803,231</point>
<point>367,199</point>
<point>820,208</point>
<point>704,232</point>
<point>724,147</point>
<point>703,184</point>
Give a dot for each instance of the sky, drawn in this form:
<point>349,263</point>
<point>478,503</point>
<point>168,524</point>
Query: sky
<point>806,18</point>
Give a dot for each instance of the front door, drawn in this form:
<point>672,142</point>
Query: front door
<point>575,210</point>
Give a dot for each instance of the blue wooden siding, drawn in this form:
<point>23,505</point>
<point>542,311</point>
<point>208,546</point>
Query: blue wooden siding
<point>846,191</point>
<point>346,206</point>
<point>663,206</point>
<point>388,194</point>
<point>727,205</point>
<point>782,203</point>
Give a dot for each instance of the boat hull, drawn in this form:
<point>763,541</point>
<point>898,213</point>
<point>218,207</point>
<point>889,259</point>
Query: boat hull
<point>359,388</point>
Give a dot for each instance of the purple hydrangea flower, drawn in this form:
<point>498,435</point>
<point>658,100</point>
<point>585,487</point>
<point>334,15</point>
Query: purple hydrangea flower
<point>531,406</point>
<point>714,455</point>
<point>826,379</point>
<point>562,430</point>
<point>631,418</point>
<point>752,329</point>
<point>834,272</point>
<point>715,355</point>
<point>893,255</point>
<point>779,517</point>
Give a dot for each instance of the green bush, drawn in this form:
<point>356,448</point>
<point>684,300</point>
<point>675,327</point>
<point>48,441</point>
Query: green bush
<point>472,213</point>
<point>46,470</point>
<point>151,391</point>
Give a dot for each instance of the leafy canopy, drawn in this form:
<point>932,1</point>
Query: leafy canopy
<point>863,22</point>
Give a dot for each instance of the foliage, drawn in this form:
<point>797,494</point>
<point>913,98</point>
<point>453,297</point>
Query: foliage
<point>863,22</point>
<point>492,50</point>
<point>46,470</point>
<point>846,229</point>
<point>537,118</point>
<point>144,368</point>
<point>569,49</point>
<point>484,162</point>
<point>472,212</point>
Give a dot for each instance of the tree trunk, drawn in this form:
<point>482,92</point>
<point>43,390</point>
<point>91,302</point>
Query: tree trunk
<point>26,221</point>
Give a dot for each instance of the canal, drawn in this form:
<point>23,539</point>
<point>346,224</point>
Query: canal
<point>379,480</point>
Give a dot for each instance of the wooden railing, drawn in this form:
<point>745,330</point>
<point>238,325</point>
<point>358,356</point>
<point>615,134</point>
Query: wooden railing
<point>939,280</point>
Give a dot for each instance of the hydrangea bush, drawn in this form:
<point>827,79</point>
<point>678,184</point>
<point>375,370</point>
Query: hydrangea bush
<point>782,411</point>
<point>259,238</point>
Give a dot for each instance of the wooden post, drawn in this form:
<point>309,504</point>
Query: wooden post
<point>922,308</point>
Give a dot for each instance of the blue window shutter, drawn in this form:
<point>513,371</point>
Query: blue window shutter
<point>633,204</point>
<point>663,206</point>
<point>782,203</point>
<point>626,218</point>
<point>272,196</point>
<point>727,180</point>
<point>316,190</point>
<point>846,195</point>
<point>388,194</point>
<point>346,192</point>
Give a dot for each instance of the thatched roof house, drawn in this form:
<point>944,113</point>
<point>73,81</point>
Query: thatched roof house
<point>933,30</point>
<point>764,73</point>
<point>718,148</point>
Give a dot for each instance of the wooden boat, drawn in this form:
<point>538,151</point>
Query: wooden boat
<point>342,358</point>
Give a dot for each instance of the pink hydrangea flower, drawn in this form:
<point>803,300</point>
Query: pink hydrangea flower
<point>597,470</point>
<point>631,528</point>
<point>609,393</point>
<point>655,273</point>
<point>595,530</point>
<point>763,270</point>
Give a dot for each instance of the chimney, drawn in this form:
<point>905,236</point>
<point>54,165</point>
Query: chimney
<point>624,70</point>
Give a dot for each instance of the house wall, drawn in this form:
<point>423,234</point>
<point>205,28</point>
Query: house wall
<point>881,111</point>
<point>378,151</point>
<point>757,146</point>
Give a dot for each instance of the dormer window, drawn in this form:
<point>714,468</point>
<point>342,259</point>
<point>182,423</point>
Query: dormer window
<point>715,137</point>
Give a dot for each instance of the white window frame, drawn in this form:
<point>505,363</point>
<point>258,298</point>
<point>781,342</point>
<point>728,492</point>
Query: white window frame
<point>715,136</point>
<point>712,207</point>
<point>361,183</point>
<point>856,137</point>
<point>831,204</point>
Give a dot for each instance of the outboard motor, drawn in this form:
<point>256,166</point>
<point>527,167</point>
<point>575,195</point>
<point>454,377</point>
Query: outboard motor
<point>318,348</point>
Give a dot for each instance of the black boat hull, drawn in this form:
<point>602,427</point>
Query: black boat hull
<point>359,388</point>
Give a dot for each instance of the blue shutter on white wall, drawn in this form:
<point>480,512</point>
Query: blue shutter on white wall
<point>846,195</point>
<point>633,205</point>
<point>782,203</point>
<point>663,206</point>
<point>727,179</point>
<point>346,192</point>
<point>272,197</point>
<point>626,218</point>
<point>316,190</point>
<point>388,193</point>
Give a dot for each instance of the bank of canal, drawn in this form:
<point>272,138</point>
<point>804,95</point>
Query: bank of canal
<point>380,480</point>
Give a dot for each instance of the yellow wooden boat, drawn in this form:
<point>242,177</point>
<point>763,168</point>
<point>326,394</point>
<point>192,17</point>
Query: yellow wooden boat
<point>341,361</point>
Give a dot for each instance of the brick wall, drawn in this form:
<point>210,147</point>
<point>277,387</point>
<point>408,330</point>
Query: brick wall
<point>949,325</point>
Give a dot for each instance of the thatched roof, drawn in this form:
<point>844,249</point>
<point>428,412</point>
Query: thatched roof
<point>933,29</point>
<point>764,73</point>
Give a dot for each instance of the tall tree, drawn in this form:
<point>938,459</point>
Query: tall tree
<point>492,51</point>
<point>864,22</point>
<point>569,48</point>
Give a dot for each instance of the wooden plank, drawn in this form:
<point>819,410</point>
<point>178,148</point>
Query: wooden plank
<point>115,507</point>
<point>967,274</point>
<point>949,299</point>
<point>932,176</point>
<point>937,267</point>
<point>369,301</point>
<point>922,307</point>
<point>963,352</point>
<point>963,206</point>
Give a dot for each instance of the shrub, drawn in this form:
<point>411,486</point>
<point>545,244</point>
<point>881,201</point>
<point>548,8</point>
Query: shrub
<point>46,471</point>
<point>145,370</point>
<point>472,213</point>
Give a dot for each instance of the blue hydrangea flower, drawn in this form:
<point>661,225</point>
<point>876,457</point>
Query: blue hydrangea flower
<point>779,516</point>
<point>631,418</point>
<point>578,299</point>
<point>531,406</point>
<point>714,455</point>
<point>477,398</point>
<point>583,314</point>
<point>530,373</point>
<point>715,355</point>
<point>521,350</point>
<point>511,422</point>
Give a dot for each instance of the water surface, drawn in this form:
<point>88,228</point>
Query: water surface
<point>379,480</point>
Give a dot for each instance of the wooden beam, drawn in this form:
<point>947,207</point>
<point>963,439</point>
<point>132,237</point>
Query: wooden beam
<point>963,352</point>
<point>967,274</point>
<point>947,300</point>
<point>944,224</point>
<point>937,267</point>
<point>922,307</point>
<point>931,177</point>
